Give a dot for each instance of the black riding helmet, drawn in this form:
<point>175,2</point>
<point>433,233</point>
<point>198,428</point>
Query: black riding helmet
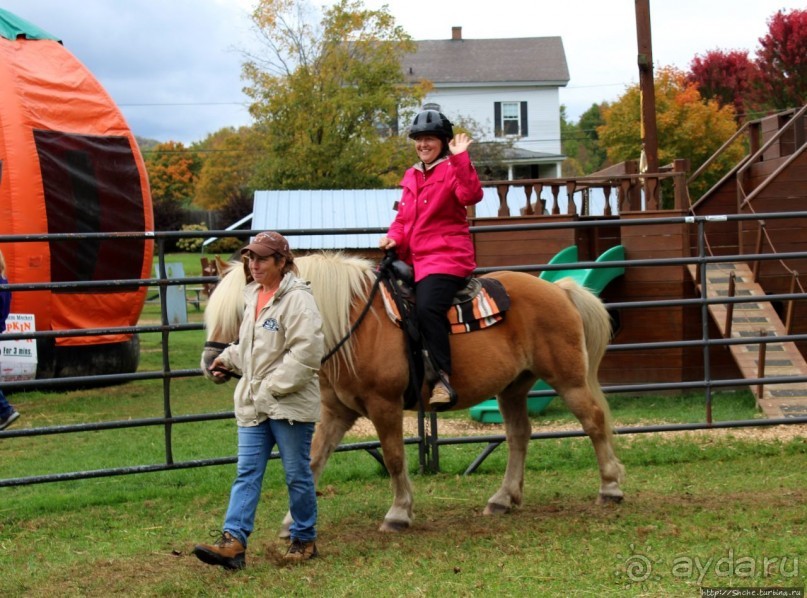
<point>433,123</point>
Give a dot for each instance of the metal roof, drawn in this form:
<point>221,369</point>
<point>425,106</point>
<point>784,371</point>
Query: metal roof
<point>349,209</point>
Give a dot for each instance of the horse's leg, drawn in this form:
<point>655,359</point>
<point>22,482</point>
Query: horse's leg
<point>592,411</point>
<point>513,407</point>
<point>335,421</point>
<point>388,421</point>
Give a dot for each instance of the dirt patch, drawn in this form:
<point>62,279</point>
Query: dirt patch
<point>454,427</point>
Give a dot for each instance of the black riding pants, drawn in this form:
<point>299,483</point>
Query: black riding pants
<point>433,296</point>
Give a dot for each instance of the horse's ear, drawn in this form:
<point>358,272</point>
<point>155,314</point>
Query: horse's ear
<point>221,266</point>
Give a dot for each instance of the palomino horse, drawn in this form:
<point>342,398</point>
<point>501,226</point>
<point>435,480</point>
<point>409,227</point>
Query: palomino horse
<point>557,332</point>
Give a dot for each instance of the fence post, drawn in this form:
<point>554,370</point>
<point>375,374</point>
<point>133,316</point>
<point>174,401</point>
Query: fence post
<point>730,306</point>
<point>758,248</point>
<point>791,304</point>
<point>763,347</point>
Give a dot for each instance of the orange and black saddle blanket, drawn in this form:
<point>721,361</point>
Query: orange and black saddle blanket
<point>481,304</point>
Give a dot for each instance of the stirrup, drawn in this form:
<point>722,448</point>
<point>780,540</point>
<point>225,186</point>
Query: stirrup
<point>449,392</point>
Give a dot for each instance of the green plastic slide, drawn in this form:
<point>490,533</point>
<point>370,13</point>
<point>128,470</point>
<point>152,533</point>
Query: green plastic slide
<point>595,280</point>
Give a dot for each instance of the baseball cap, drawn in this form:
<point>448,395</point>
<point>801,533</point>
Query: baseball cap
<point>266,243</point>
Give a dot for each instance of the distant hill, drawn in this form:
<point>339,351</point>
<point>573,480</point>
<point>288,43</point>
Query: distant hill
<point>146,144</point>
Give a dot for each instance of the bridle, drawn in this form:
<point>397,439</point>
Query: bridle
<point>381,273</point>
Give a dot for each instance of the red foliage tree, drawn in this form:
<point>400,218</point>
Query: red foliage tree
<point>782,62</point>
<point>726,77</point>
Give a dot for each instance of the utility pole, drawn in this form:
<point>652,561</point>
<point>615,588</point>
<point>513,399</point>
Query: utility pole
<point>646,86</point>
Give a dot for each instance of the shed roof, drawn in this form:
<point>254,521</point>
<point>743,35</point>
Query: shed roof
<point>346,209</point>
<point>532,60</point>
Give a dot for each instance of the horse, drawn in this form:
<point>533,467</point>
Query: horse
<point>554,331</point>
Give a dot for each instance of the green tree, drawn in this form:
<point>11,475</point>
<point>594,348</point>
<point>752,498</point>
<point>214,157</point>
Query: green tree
<point>330,96</point>
<point>228,167</point>
<point>581,142</point>
<point>688,127</point>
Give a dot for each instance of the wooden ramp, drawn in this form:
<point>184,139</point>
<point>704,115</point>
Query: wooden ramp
<point>748,319</point>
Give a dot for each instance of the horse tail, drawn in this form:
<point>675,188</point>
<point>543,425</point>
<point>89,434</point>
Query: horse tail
<point>596,330</point>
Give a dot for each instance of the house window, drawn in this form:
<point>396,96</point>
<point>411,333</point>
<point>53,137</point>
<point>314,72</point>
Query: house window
<point>510,115</point>
<point>510,119</point>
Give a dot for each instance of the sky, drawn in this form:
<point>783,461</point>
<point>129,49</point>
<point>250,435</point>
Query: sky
<point>174,66</point>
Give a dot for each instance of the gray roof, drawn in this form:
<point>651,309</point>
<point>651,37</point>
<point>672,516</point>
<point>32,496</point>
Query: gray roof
<point>534,60</point>
<point>347,209</point>
<point>517,154</point>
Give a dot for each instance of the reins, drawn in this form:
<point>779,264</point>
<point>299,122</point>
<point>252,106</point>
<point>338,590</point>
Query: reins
<point>380,273</point>
<point>220,347</point>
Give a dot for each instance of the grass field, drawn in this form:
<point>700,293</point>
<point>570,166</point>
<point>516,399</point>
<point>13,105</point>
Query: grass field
<point>715,509</point>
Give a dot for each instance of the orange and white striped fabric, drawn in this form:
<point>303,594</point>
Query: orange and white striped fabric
<point>483,310</point>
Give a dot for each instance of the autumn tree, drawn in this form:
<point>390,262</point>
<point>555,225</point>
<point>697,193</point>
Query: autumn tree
<point>230,157</point>
<point>172,172</point>
<point>581,142</point>
<point>726,77</point>
<point>329,96</point>
<point>782,62</point>
<point>688,127</point>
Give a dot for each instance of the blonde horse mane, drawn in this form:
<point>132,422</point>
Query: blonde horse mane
<point>339,282</point>
<point>225,307</point>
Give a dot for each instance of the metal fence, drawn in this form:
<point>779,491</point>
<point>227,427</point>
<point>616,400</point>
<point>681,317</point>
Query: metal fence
<point>428,439</point>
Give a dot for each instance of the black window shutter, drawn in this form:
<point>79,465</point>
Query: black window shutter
<point>497,119</point>
<point>524,129</point>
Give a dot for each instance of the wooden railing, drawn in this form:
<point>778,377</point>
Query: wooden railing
<point>622,186</point>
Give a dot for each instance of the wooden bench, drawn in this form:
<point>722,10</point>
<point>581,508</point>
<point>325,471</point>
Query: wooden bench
<point>193,296</point>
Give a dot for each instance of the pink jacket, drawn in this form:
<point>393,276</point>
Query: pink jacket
<point>431,227</point>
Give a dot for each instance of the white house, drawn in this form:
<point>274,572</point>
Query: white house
<point>509,87</point>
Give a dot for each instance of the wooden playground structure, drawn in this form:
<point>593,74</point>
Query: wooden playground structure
<point>771,178</point>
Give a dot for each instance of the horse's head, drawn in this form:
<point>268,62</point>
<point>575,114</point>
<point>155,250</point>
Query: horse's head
<point>223,314</point>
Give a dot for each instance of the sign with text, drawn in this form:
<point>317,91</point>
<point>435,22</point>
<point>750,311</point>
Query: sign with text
<point>18,357</point>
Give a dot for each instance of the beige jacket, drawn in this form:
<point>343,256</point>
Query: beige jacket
<point>278,356</point>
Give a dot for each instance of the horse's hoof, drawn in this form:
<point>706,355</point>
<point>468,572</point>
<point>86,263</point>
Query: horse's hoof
<point>284,533</point>
<point>493,508</point>
<point>394,526</point>
<point>609,499</point>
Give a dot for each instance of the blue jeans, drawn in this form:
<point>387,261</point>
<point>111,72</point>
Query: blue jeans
<point>255,444</point>
<point>5,407</point>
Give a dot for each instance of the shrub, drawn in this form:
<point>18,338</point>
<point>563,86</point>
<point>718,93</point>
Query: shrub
<point>191,244</point>
<point>226,245</point>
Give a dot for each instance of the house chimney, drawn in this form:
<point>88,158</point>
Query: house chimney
<point>456,33</point>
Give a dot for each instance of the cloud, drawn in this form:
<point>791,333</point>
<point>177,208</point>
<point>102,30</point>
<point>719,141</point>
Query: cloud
<point>172,67</point>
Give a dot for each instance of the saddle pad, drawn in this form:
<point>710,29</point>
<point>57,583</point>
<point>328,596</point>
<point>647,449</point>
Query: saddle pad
<point>483,310</point>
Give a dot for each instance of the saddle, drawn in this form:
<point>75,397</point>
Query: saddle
<point>481,303</point>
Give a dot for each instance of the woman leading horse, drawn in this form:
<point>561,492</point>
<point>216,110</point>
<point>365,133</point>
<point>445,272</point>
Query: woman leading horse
<point>557,332</point>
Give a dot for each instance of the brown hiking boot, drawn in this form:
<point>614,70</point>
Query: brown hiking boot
<point>440,395</point>
<point>226,552</point>
<point>300,551</point>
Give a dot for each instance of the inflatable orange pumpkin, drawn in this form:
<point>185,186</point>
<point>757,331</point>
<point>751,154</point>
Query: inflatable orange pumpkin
<point>70,165</point>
